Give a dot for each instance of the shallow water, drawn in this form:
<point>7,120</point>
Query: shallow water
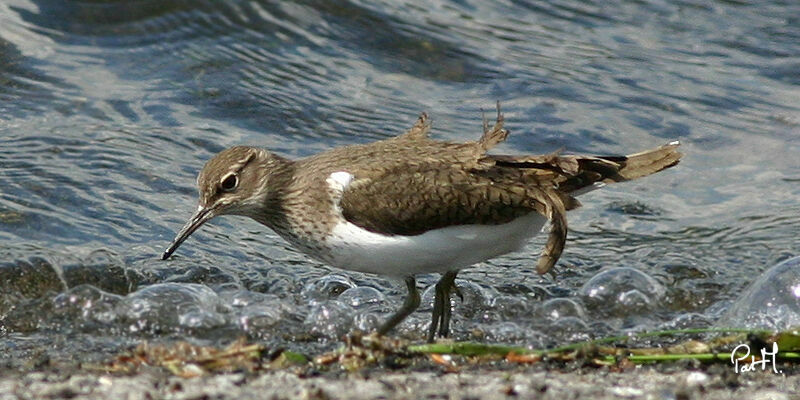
<point>109,109</point>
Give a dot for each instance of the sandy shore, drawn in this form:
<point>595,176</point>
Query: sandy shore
<point>638,383</point>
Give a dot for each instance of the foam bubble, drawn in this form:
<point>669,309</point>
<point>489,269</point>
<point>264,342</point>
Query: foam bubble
<point>771,302</point>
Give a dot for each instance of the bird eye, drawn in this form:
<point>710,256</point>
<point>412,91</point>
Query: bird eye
<point>229,183</point>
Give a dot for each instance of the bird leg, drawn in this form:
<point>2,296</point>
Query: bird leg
<point>556,212</point>
<point>409,305</point>
<point>442,306</point>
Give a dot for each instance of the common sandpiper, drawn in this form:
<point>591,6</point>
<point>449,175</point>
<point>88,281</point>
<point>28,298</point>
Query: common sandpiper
<point>411,205</point>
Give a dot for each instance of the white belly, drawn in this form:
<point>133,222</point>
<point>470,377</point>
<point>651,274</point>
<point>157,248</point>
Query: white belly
<point>356,249</point>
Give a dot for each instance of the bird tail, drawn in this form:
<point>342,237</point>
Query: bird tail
<point>574,175</point>
<point>644,163</point>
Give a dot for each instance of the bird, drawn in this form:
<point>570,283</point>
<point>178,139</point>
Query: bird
<point>411,205</point>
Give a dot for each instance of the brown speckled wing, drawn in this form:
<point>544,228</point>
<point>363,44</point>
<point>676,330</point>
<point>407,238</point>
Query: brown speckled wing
<point>410,201</point>
<point>420,196</point>
<point>413,201</point>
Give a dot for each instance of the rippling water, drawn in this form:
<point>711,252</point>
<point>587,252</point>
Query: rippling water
<point>109,108</point>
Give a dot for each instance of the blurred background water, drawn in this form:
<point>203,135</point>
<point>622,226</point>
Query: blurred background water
<point>108,109</point>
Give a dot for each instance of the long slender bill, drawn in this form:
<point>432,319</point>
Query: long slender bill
<point>200,217</point>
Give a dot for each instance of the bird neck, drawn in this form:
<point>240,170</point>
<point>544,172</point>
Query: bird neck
<point>275,187</point>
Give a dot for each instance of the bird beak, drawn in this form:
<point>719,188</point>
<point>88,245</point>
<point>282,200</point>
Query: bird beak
<point>200,217</point>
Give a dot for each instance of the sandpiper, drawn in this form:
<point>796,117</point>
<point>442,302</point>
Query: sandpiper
<point>411,205</point>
